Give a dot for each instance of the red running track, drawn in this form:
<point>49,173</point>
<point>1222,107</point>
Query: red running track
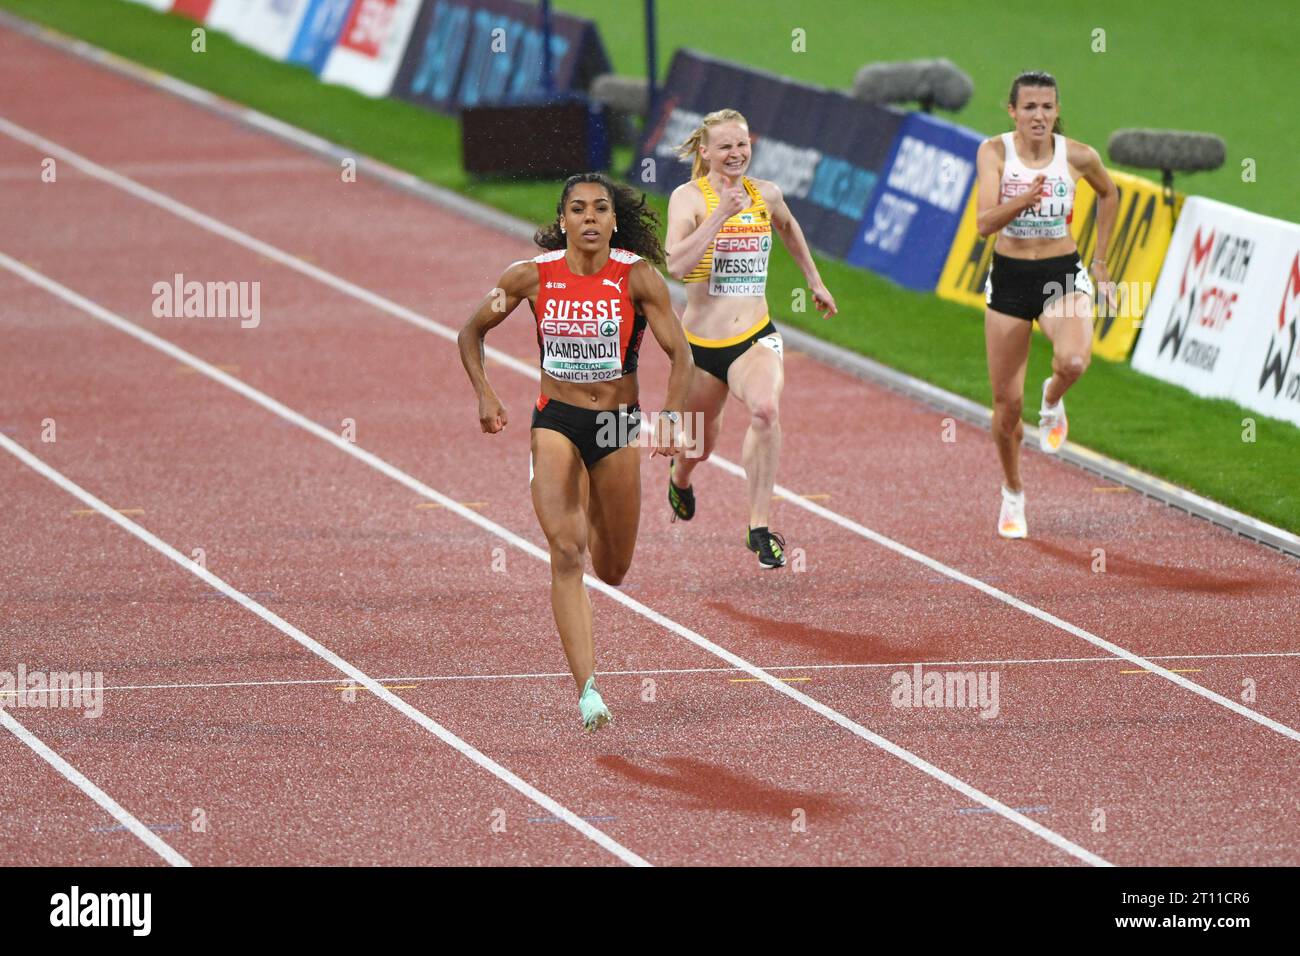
<point>713,766</point>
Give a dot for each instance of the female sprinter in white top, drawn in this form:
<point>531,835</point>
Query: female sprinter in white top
<point>592,295</point>
<point>719,239</point>
<point>1026,195</point>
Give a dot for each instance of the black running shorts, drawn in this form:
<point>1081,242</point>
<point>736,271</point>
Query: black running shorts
<point>594,432</point>
<point>715,356</point>
<point>1025,287</point>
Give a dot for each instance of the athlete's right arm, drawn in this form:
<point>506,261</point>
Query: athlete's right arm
<point>686,242</point>
<point>993,215</point>
<point>517,283</point>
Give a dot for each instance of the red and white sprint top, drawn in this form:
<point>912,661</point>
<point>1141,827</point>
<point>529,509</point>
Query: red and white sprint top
<point>588,330</point>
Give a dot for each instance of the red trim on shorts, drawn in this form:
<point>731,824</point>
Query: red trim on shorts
<point>541,402</point>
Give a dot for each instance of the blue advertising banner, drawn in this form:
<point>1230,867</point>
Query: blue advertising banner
<point>824,149</point>
<point>913,215</point>
<point>467,53</point>
<point>318,32</point>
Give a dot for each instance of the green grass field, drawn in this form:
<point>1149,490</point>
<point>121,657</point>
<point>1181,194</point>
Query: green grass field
<point>1157,427</point>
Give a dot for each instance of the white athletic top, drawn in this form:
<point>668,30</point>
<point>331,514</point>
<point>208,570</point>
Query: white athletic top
<point>1051,219</point>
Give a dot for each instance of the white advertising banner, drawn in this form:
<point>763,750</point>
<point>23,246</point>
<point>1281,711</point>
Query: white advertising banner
<point>1222,320</point>
<point>272,25</point>
<point>1269,378</point>
<point>370,48</point>
<point>156,4</point>
<point>229,16</point>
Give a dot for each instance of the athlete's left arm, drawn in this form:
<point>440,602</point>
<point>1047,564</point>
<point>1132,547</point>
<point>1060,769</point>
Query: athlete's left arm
<point>787,227</point>
<point>650,298</point>
<point>1085,159</point>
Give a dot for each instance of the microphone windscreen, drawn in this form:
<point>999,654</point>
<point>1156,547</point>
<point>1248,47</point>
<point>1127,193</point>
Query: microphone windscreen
<point>1167,149</point>
<point>950,87</point>
<point>914,81</point>
<point>887,82</point>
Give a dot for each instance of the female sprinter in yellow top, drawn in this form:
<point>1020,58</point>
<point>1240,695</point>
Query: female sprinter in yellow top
<point>592,294</point>
<point>1026,195</point>
<point>719,239</point>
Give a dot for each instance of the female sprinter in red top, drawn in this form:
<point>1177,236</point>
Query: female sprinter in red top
<point>719,239</point>
<point>1026,195</point>
<point>592,294</point>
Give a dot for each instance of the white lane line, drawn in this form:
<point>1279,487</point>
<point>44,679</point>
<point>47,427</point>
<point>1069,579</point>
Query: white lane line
<point>446,736</point>
<point>377,301</point>
<point>1046,616</point>
<point>668,671</point>
<point>82,783</point>
<point>374,461</point>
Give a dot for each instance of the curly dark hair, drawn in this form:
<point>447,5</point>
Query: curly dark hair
<point>638,224</point>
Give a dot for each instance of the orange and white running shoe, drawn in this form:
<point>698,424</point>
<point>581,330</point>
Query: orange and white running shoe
<point>1011,520</point>
<point>1053,426</point>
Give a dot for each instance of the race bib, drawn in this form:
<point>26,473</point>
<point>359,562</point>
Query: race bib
<point>581,350</point>
<point>740,263</point>
<point>1050,219</point>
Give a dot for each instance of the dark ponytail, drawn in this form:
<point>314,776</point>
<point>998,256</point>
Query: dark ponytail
<point>1037,78</point>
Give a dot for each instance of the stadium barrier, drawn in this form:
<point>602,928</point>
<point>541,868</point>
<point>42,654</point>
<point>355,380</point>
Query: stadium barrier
<point>915,210</point>
<point>271,26</point>
<point>227,16</point>
<point>370,47</point>
<point>444,54</point>
<point>318,32</point>
<point>1223,320</point>
<point>194,9</point>
<point>467,53</point>
<point>1144,225</point>
<point>268,26</point>
<point>824,149</point>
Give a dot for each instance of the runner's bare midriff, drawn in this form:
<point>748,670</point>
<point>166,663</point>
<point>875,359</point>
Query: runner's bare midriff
<point>1034,248</point>
<point>715,317</point>
<point>598,396</point>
